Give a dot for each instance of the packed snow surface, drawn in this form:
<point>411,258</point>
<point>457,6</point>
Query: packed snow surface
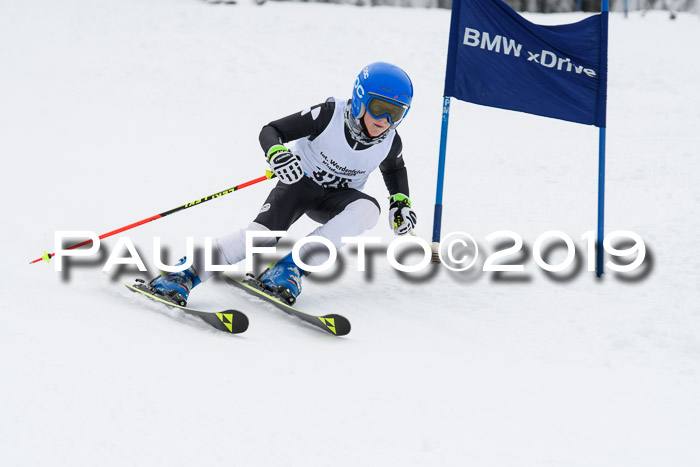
<point>112,111</point>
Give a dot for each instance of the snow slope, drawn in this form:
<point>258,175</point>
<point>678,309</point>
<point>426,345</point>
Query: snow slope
<point>113,111</point>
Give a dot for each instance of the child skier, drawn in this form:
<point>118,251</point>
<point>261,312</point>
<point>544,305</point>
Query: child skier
<point>338,144</point>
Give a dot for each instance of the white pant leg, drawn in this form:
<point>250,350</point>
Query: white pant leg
<point>357,217</point>
<point>231,247</point>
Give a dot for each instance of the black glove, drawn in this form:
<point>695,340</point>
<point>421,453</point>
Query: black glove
<point>284,164</point>
<point>402,218</point>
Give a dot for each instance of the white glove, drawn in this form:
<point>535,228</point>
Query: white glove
<point>284,164</point>
<point>402,218</point>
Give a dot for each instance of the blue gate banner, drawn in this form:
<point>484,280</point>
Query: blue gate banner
<point>499,59</point>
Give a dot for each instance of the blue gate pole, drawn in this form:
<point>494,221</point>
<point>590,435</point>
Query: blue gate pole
<point>601,204</point>
<point>601,188</point>
<point>437,219</point>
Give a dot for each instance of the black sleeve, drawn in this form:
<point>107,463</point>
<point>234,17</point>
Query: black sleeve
<point>309,122</point>
<point>394,170</point>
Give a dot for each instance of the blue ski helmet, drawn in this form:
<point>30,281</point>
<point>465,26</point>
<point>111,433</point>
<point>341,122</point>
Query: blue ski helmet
<point>383,90</point>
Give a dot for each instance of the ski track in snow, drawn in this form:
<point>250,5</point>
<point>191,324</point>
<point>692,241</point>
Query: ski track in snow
<point>112,111</point>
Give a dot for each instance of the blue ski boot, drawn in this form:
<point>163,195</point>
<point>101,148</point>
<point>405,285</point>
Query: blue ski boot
<point>284,278</point>
<point>177,285</point>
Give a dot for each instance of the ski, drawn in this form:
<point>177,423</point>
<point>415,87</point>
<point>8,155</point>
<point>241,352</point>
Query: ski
<point>229,321</point>
<point>334,324</point>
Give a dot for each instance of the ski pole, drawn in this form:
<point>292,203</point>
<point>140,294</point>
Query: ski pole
<point>268,175</point>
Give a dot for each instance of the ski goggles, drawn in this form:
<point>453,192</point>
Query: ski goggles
<point>379,107</point>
